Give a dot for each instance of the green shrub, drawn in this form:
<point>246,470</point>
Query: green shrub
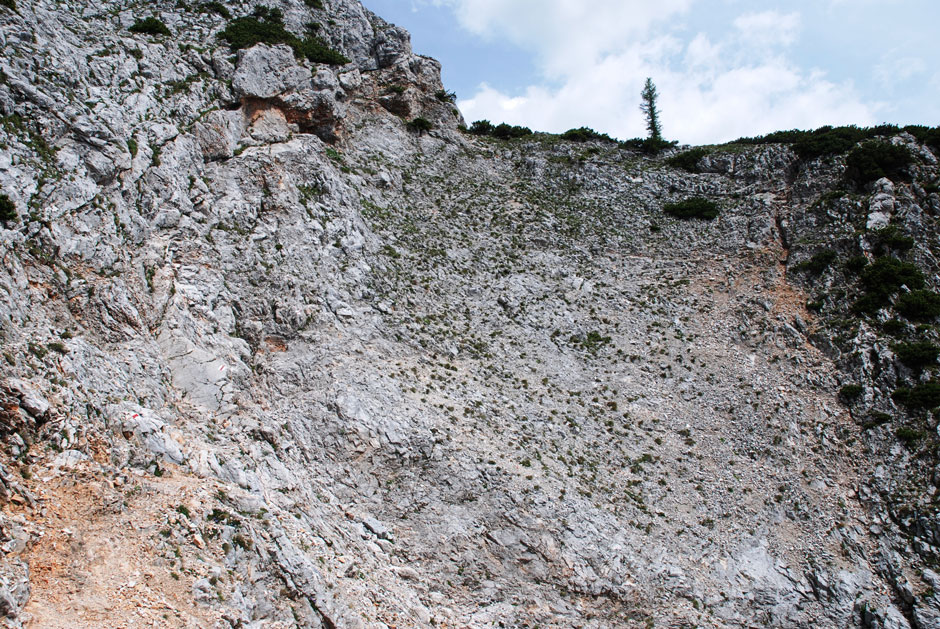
<point>835,141</point>
<point>215,7</point>
<point>505,131</point>
<point>10,4</point>
<point>420,125</point>
<point>917,355</point>
<point>885,276</point>
<point>838,140</point>
<point>7,210</point>
<point>585,134</point>
<point>150,26</point>
<point>855,264</point>
<point>592,341</point>
<point>650,146</point>
<point>919,305</point>
<point>894,327</point>
<point>890,239</point>
<point>689,160</point>
<point>926,135</point>
<point>822,141</point>
<point>877,418</point>
<point>501,131</point>
<point>317,51</point>
<point>695,207</point>
<point>314,4</point>
<point>818,263</point>
<point>481,127</point>
<point>882,279</point>
<point>930,188</point>
<point>851,392</point>
<point>925,395</point>
<point>909,436</point>
<point>445,97</point>
<point>266,26</point>
<point>874,160</point>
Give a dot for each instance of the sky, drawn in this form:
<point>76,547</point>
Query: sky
<point>723,68</point>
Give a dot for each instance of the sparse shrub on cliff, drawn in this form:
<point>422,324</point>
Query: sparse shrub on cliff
<point>7,210</point>
<point>314,4</point>
<point>215,7</point>
<point>266,26</point>
<point>317,51</point>
<point>890,239</point>
<point>502,131</point>
<point>481,127</point>
<point>909,436</point>
<point>919,305</point>
<point>822,141</point>
<point>505,131</point>
<point>925,395</point>
<point>445,97</point>
<point>150,26</point>
<point>688,160</point>
<point>10,4</point>
<point>850,393</point>
<point>874,160</point>
<point>917,355</point>
<point>818,263</point>
<point>420,125</point>
<point>585,134</point>
<point>696,207</point>
<point>926,135</point>
<point>856,264</point>
<point>884,277</point>
<point>647,145</point>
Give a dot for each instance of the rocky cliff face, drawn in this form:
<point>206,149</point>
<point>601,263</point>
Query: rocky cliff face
<point>273,357</point>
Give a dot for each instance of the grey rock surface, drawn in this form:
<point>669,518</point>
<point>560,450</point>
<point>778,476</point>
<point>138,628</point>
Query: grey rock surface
<point>329,372</point>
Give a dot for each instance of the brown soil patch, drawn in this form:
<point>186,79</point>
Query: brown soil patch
<point>96,565</point>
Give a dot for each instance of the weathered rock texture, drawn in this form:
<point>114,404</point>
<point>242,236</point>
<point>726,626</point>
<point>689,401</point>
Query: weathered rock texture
<point>271,358</point>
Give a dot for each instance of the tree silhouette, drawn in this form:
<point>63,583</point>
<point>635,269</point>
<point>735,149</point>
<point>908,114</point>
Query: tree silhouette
<point>648,107</point>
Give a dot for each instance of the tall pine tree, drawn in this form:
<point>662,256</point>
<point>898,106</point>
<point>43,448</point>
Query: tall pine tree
<point>648,107</point>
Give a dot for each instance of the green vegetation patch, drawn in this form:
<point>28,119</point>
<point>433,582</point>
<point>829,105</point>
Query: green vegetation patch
<point>688,160</point>
<point>851,392</point>
<point>266,26</point>
<point>917,355</point>
<point>586,134</point>
<point>592,341</point>
<point>874,160</point>
<point>883,278</point>
<point>420,125</point>
<point>696,207</point>
<point>10,4</point>
<point>502,131</point>
<point>7,210</point>
<point>909,436</point>
<point>818,263</point>
<point>925,395</point>
<point>826,140</point>
<point>215,7</point>
<point>890,239</point>
<point>919,305</point>
<point>150,26</point>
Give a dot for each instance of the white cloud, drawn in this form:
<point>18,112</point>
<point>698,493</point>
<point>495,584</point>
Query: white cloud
<point>564,34</point>
<point>769,28</point>
<point>894,70</point>
<point>596,55</point>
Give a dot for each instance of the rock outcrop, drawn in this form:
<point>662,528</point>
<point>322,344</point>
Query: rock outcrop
<point>273,356</point>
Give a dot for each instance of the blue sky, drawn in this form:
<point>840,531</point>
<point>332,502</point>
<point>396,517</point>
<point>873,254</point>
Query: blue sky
<point>724,68</point>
